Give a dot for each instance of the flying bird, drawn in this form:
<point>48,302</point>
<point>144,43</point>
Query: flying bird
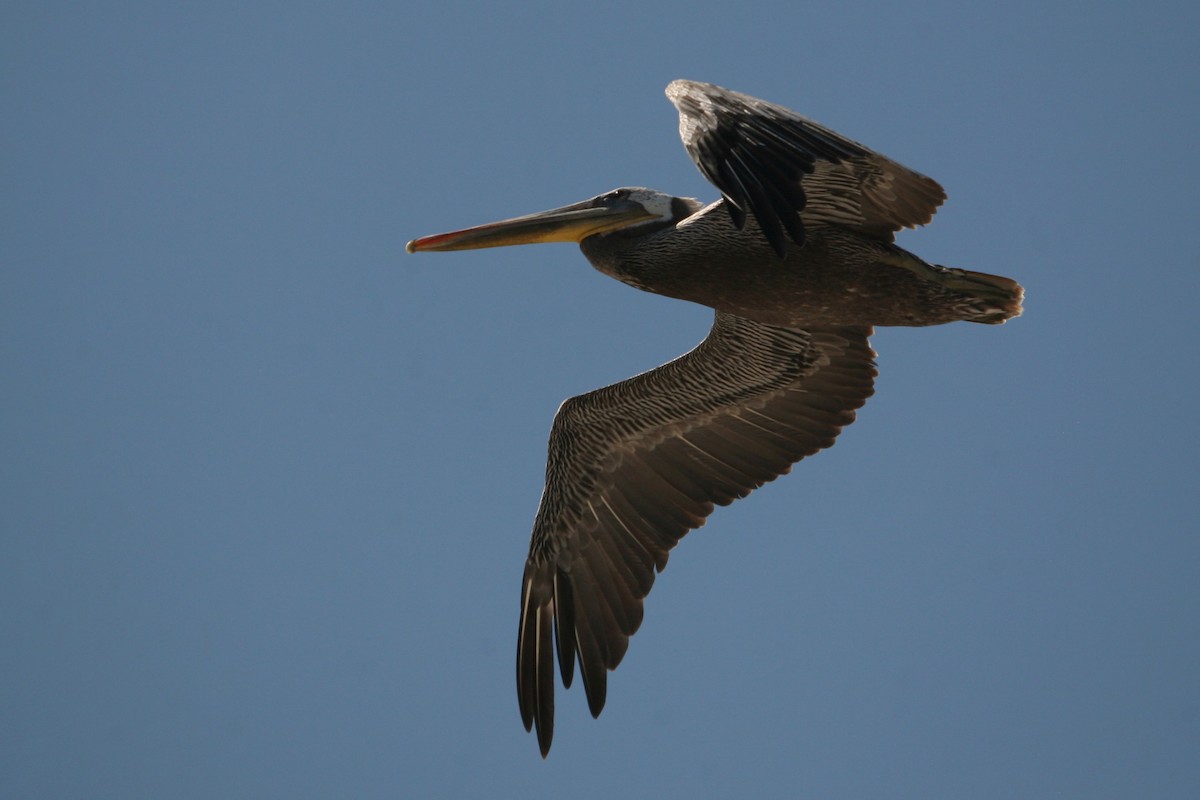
<point>798,262</point>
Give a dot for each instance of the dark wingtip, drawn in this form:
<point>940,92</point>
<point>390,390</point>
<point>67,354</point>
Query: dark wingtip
<point>545,738</point>
<point>596,689</point>
<point>778,244</point>
<point>736,213</point>
<point>564,626</point>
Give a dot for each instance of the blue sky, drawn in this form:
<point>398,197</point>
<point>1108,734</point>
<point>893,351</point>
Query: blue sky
<point>268,481</point>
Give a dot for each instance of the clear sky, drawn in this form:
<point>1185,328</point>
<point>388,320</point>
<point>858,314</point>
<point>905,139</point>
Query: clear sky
<point>267,481</point>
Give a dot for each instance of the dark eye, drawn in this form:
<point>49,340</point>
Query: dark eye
<point>609,198</point>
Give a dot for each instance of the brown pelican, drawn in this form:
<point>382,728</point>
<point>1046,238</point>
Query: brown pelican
<point>798,261</point>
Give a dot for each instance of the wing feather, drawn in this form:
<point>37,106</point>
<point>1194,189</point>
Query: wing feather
<point>789,171</point>
<point>634,466</point>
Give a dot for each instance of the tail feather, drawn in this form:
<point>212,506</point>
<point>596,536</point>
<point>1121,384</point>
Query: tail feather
<point>995,298</point>
<point>990,299</point>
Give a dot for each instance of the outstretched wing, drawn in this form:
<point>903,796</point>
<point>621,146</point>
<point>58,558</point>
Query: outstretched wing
<point>775,163</point>
<point>634,466</point>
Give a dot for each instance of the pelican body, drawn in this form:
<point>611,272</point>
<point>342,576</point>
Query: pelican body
<point>798,261</point>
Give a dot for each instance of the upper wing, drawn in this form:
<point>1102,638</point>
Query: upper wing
<point>634,466</point>
<point>775,163</point>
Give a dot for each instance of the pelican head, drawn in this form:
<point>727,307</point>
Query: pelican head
<point>612,211</point>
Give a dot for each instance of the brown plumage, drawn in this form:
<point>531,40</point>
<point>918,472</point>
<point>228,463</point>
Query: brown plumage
<point>798,261</point>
